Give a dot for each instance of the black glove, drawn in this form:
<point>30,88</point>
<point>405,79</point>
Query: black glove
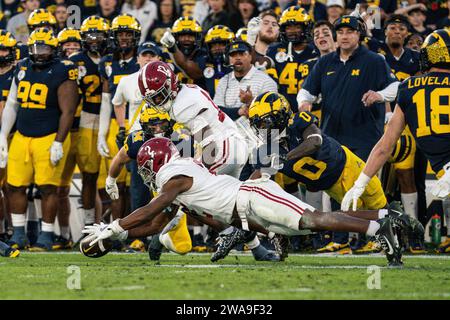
<point>120,137</point>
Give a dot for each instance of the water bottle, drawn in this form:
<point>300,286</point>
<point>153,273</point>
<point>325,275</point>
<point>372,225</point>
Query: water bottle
<point>436,229</point>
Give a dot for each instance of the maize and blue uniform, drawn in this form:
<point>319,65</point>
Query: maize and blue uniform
<point>37,123</point>
<point>212,72</point>
<point>90,85</point>
<point>5,83</point>
<point>289,74</point>
<point>425,102</point>
<point>112,70</point>
<point>333,168</point>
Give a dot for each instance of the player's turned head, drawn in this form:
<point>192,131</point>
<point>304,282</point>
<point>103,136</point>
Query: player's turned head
<point>152,155</point>
<point>435,51</point>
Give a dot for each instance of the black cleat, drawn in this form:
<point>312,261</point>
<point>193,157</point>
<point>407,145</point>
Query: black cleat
<point>387,240</point>
<point>281,244</point>
<point>227,242</point>
<point>410,226</point>
<point>155,248</point>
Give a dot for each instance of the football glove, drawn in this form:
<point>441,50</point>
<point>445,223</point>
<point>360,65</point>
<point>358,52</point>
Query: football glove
<point>442,187</point>
<point>3,151</point>
<point>253,28</point>
<point>111,188</point>
<point>111,231</point>
<point>120,137</point>
<point>355,192</point>
<point>56,152</point>
<point>168,40</point>
<point>102,146</point>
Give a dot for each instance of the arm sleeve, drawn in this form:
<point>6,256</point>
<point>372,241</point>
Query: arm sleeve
<point>10,112</point>
<point>390,92</point>
<point>105,114</point>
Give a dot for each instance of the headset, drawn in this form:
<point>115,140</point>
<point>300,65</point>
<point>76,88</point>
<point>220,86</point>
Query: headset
<point>226,55</point>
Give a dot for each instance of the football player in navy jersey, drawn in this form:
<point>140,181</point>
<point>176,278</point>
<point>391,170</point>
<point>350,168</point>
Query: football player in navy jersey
<point>288,57</point>
<point>43,100</point>
<point>94,34</point>
<point>125,33</point>
<point>404,63</point>
<point>423,105</point>
<point>8,47</point>
<point>184,44</point>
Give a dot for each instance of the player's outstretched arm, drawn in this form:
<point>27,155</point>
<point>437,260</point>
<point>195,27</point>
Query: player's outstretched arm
<point>377,158</point>
<point>169,192</point>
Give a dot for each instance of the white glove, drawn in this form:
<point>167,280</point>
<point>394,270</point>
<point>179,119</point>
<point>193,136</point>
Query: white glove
<point>3,151</point>
<point>262,66</point>
<point>253,28</point>
<point>112,230</point>
<point>442,187</point>
<point>111,188</point>
<point>355,192</point>
<point>102,146</point>
<point>168,40</point>
<point>93,231</point>
<point>356,12</point>
<point>56,152</point>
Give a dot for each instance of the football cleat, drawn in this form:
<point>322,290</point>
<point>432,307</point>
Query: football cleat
<point>335,247</point>
<point>281,244</point>
<point>19,241</point>
<point>43,243</point>
<point>369,247</point>
<point>155,248</point>
<point>198,244</point>
<point>260,253</point>
<point>137,245</point>
<point>12,253</point>
<point>62,244</point>
<point>444,247</point>
<point>228,241</point>
<point>388,242</point>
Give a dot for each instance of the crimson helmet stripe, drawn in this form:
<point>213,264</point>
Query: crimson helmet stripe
<point>144,77</point>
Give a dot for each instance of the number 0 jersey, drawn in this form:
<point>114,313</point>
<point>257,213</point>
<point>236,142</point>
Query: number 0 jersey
<point>318,171</point>
<point>39,112</point>
<point>425,101</point>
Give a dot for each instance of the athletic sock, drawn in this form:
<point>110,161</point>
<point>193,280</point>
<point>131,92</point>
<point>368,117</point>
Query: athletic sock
<point>410,201</point>
<point>65,232</point>
<point>373,228</point>
<point>18,220</point>
<point>47,227</point>
<point>382,213</point>
<point>89,216</point>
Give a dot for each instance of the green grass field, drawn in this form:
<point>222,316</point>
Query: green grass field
<point>133,276</point>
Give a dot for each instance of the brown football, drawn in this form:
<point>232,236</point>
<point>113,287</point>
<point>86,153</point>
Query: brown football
<point>97,250</point>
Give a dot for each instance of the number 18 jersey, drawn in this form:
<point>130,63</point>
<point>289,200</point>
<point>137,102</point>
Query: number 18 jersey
<point>425,101</point>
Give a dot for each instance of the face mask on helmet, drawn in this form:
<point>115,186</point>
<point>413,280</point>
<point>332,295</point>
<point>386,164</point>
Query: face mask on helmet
<point>147,175</point>
<point>186,42</point>
<point>160,100</point>
<point>157,128</point>
<point>296,33</point>
<point>6,57</point>
<point>216,50</point>
<point>270,127</point>
<point>41,54</point>
<point>95,42</point>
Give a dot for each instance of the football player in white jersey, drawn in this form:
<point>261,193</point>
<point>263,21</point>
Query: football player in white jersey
<point>224,150</point>
<point>259,204</point>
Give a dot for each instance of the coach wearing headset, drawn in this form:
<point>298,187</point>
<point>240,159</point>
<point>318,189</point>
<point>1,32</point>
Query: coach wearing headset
<point>236,90</point>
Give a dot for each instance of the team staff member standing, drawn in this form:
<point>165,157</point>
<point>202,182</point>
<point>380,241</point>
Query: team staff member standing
<point>355,83</point>
<point>43,99</point>
<point>237,89</point>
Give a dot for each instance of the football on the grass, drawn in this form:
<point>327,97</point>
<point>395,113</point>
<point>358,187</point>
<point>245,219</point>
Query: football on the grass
<point>97,250</point>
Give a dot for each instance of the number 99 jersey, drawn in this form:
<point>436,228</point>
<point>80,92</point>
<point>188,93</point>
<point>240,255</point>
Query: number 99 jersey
<point>39,112</point>
<point>425,101</point>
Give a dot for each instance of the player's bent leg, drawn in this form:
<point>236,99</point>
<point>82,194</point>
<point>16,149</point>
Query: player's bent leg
<point>18,205</point>
<point>175,236</point>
